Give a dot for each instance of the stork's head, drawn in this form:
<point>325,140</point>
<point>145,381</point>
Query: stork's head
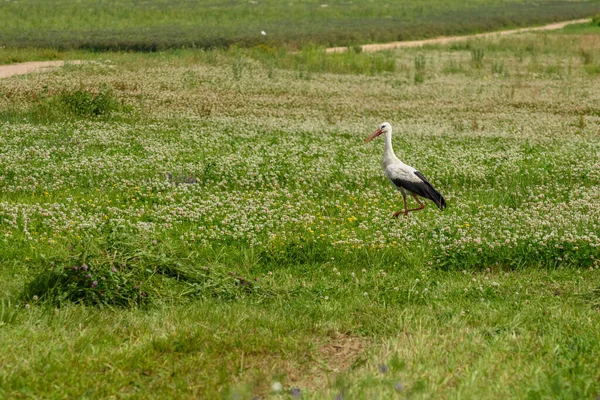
<point>384,128</point>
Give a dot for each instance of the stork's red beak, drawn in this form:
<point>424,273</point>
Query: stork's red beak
<point>373,136</point>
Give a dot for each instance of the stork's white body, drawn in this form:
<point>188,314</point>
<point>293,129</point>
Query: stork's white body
<point>394,169</point>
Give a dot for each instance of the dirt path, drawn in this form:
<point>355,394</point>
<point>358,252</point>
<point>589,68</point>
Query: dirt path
<point>42,66</point>
<point>448,39</point>
<point>34,66</point>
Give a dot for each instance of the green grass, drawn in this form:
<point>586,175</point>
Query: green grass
<point>12,55</point>
<point>239,231</point>
<point>160,24</point>
<point>538,341</point>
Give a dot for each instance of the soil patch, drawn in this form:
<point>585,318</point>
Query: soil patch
<point>448,39</point>
<point>7,71</point>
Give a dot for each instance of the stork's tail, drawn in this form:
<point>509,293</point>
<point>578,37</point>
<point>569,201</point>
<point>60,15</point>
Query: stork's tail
<point>435,196</point>
<point>431,193</point>
<point>438,199</point>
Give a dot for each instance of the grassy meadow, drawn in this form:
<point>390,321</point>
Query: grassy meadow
<point>159,24</point>
<point>208,223</point>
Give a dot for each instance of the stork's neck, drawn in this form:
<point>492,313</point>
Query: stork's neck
<point>388,150</point>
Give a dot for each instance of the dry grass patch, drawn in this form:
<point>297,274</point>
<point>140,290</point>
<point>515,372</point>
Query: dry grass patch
<point>342,352</point>
<point>314,371</point>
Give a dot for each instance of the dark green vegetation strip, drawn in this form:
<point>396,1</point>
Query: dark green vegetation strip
<point>160,24</point>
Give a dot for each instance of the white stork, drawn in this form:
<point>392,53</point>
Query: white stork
<point>404,177</point>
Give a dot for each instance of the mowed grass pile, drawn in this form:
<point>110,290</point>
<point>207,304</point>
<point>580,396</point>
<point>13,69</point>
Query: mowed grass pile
<point>160,24</point>
<point>220,225</point>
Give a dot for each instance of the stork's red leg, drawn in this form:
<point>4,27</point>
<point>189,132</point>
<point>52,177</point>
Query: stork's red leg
<point>405,208</point>
<point>422,205</point>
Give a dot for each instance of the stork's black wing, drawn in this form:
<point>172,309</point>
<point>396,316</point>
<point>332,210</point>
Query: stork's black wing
<point>421,187</point>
